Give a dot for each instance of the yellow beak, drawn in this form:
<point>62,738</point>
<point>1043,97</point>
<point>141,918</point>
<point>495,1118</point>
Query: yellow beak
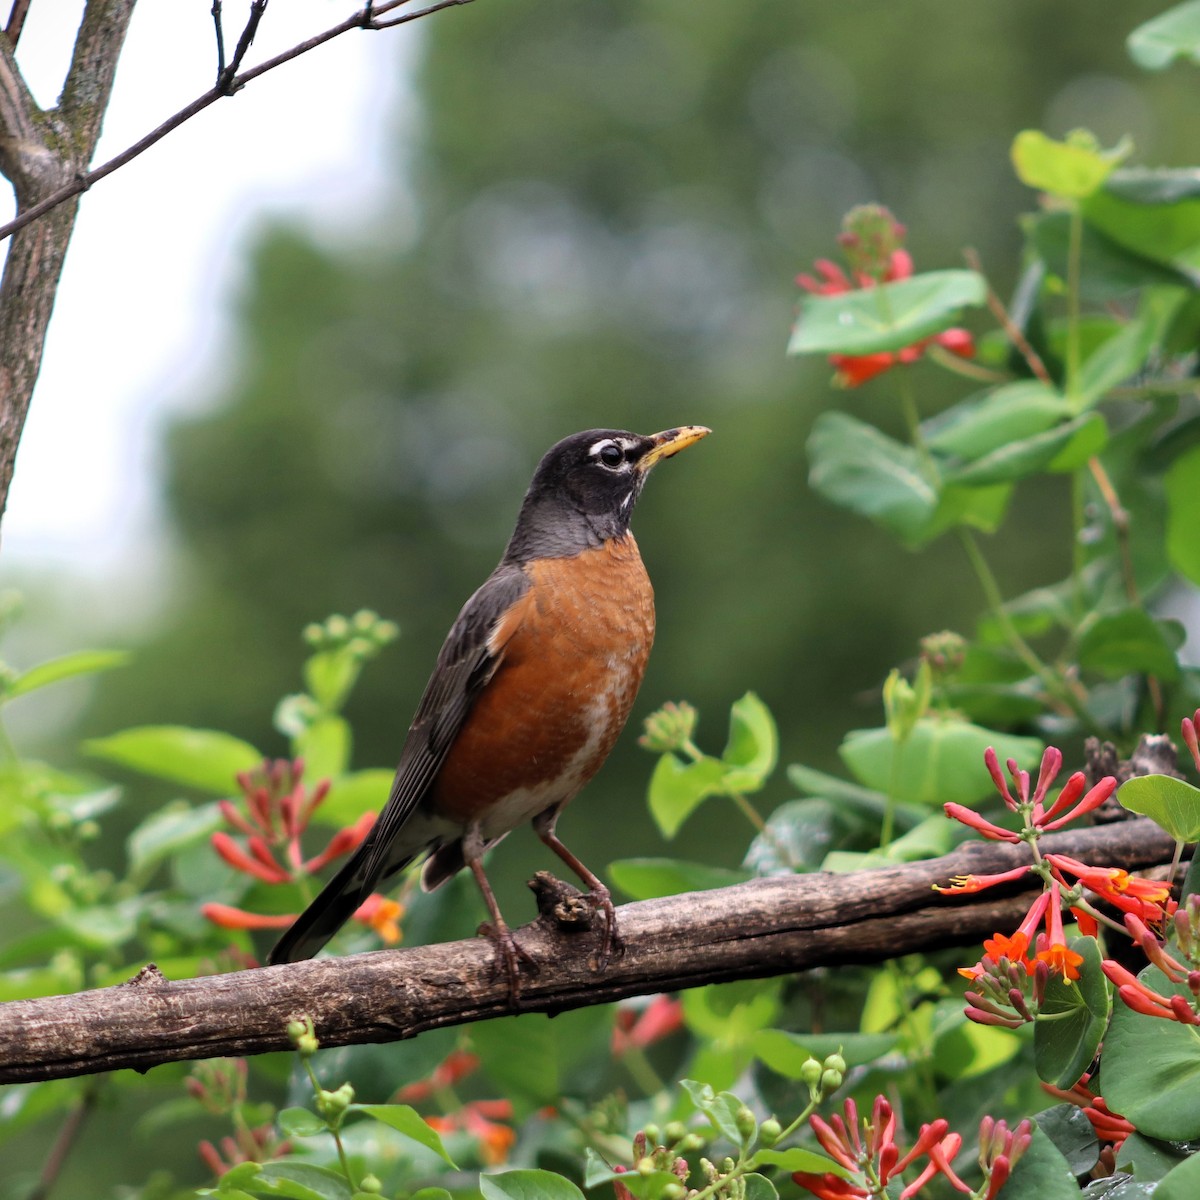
<point>669,442</point>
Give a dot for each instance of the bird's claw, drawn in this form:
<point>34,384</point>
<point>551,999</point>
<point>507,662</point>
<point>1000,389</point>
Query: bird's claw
<point>510,956</point>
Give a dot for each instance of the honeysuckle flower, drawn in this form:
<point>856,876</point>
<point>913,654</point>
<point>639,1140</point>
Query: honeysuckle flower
<point>481,1119</point>
<point>1109,1127</point>
<point>1148,899</point>
<point>1140,996</point>
<point>1188,727</point>
<point>382,915</point>
<point>872,240</point>
<point>458,1064</point>
<point>868,1148</point>
<point>999,1150</point>
<point>1052,946</point>
<point>660,1018</point>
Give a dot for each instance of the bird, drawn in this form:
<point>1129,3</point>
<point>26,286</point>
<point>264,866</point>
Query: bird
<point>530,690</point>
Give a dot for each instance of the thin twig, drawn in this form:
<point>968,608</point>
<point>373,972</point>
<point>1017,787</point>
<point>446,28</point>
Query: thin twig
<point>1012,332</point>
<point>365,18</point>
<point>225,79</point>
<point>1119,515</point>
<point>16,21</point>
<point>220,32</point>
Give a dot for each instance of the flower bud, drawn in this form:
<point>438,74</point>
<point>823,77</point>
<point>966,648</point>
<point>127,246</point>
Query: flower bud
<point>673,1191</point>
<point>674,1133</point>
<point>810,1072</point>
<point>645,1166</point>
<point>831,1081</point>
<point>746,1123</point>
<point>371,1184</point>
<point>653,1135</point>
<point>692,1143</point>
<point>835,1062</point>
<point>769,1131</point>
<point>670,728</point>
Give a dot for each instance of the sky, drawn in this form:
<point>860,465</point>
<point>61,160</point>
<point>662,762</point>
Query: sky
<point>141,318</point>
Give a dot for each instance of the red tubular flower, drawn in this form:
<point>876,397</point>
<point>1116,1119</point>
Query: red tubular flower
<point>1094,798</point>
<point>872,239</point>
<point>1054,951</point>
<point>342,842</point>
<point>1146,899</point>
<point>1108,1125</point>
<point>1188,727</point>
<point>269,871</point>
<point>963,884</point>
<point>228,917</point>
<point>968,816</point>
<point>659,1019</point>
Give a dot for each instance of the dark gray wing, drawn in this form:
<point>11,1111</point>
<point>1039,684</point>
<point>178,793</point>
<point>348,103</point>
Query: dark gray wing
<point>464,666</point>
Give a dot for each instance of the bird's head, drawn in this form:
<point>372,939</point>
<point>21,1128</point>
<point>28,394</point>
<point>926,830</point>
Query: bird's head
<point>584,489</point>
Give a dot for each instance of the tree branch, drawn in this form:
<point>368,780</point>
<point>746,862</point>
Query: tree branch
<point>763,928</point>
<point>42,153</point>
<point>364,19</point>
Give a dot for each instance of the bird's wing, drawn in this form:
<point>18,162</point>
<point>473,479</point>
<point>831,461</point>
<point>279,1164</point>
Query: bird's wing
<point>473,650</point>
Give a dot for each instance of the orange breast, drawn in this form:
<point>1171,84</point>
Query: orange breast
<point>573,654</point>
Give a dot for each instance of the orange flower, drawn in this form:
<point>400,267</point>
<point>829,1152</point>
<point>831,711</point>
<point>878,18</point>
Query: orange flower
<point>382,915</point>
<point>1061,960</point>
<point>228,917</point>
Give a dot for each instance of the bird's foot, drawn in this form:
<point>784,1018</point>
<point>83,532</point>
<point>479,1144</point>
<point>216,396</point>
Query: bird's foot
<point>611,943</point>
<point>510,956</point>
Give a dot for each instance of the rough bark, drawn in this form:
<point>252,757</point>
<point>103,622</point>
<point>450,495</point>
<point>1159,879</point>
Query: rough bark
<point>40,152</point>
<point>764,928</point>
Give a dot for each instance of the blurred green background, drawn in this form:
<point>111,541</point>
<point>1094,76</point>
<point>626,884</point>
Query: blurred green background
<point>599,225</point>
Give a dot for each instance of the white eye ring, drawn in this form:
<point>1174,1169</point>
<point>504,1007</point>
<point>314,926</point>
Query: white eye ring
<point>608,453</point>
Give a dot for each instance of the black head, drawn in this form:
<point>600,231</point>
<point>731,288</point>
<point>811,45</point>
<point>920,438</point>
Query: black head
<point>584,489</point>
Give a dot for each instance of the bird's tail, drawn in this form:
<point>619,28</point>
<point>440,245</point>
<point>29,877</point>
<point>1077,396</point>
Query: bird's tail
<point>336,904</point>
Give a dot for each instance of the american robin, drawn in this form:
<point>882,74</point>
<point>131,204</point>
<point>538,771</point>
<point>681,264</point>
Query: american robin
<point>531,688</point>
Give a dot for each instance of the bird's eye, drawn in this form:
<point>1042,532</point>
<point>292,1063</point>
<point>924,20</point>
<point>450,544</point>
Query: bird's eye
<point>611,455</point>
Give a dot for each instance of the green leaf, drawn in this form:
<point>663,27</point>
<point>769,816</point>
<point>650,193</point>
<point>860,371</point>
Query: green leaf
<point>199,758</point>
<point>785,1053</point>
<point>861,469</point>
<point>1076,1013</point>
<point>1019,459</point>
<point>82,662</point>
<point>798,1159</point>
<point>1151,1070</point>
<point>941,761</point>
<point>1073,169</point>
<point>677,788</point>
<point>800,833</point>
<point>1171,802</point>
<point>650,878</point>
<point>1072,1134</point>
<point>533,1059</point>
<point>299,1122</point>
<point>405,1119</point>
<point>889,316</point>
<point>731,1013</point>
<point>169,831</point>
<point>1128,642</point>
<point>1140,221</point>
<point>325,747</point>
<point>759,1187</point>
<point>597,1172</point>
<point>1181,1182</point>
<point>1182,485</point>
<point>753,747</point>
<point>302,1181</point>
<point>1149,1159</point>
<point>1041,1173</point>
<point>1171,35</point>
<point>983,424</point>
<point>528,1185</point>
<point>721,1108</point>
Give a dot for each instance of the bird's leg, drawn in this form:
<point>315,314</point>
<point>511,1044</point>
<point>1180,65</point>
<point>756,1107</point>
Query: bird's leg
<point>497,931</point>
<point>599,895</point>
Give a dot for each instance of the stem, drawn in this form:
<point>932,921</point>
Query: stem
<point>991,590</point>
<point>1011,330</point>
<point>637,1063</point>
<point>337,1137</point>
<point>1074,256</point>
<point>65,1142</point>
